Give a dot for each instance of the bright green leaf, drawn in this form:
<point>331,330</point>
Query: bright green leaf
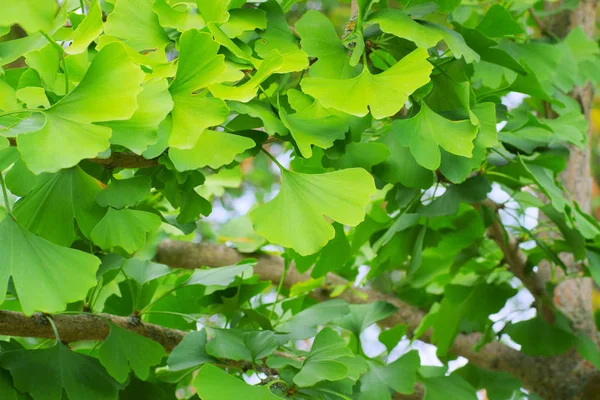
<point>383,94</point>
<point>87,30</point>
<point>123,349</point>
<point>213,149</point>
<point>33,262</point>
<point>126,229</point>
<point>46,373</point>
<point>198,66</point>
<point>212,383</point>
<point>303,201</point>
<point>427,131</point>
<point>141,130</point>
<point>124,192</point>
<point>322,362</point>
<point>52,207</point>
<point>190,352</point>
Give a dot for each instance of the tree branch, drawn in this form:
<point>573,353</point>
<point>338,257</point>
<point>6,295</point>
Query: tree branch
<point>493,356</point>
<point>517,262</point>
<point>75,327</point>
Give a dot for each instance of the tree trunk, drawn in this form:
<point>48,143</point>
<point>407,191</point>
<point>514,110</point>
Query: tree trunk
<point>578,378</point>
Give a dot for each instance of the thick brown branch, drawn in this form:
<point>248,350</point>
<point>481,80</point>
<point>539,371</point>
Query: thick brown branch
<point>74,327</point>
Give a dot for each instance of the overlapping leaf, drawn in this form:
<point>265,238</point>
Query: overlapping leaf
<point>32,262</point>
<point>383,94</point>
<point>304,200</point>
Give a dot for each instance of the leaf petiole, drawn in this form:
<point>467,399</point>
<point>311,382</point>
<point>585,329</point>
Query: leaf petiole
<point>273,159</point>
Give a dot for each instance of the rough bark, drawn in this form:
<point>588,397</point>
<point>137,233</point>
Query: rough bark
<point>74,327</point>
<point>574,296</point>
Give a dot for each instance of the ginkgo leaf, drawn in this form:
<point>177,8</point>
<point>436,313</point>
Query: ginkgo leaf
<point>190,352</point>
<point>399,375</point>
<point>45,62</point>
<point>46,373</point>
<point>401,166</point>
<point>304,200</point>
<point>427,131</point>
<point>313,125</point>
<point>320,40</point>
<point>239,232</point>
<point>213,149</point>
<point>278,37</point>
<point>259,109</point>
<point>73,140</point>
<point>181,16</point>
<point>141,130</point>
<point>51,208</point>
<point>32,15</point>
<point>212,383</point>
<point>33,262</point>
<point>134,22</point>
<point>198,66</point>
<point>124,229</point>
<point>238,344</point>
<point>220,278</point>
<point>123,349</point>
<point>88,30</point>
<point>497,22</point>
<point>124,192</point>
<point>108,92</point>
<point>244,19</point>
<point>247,90</point>
<point>323,362</point>
<point>424,34</point>
<point>383,94</point>
<point>213,10</point>
<point>361,316</point>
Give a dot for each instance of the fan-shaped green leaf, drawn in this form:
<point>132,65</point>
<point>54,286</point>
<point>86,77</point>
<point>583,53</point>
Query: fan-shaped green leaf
<point>383,94</point>
<point>51,208</point>
<point>278,37</point>
<point>213,149</point>
<point>320,40</point>
<point>124,192</point>
<point>323,362</point>
<point>237,344</point>
<point>304,200</point>
<point>400,375</point>
<point>107,92</point>
<point>44,374</point>
<point>134,22</point>
<point>247,91</point>
<point>239,232</point>
<point>33,262</point>
<point>126,229</point>
<point>141,130</point>
<point>198,66</point>
<point>212,383</point>
<point>313,125</point>
<point>88,30</point>
<point>181,16</point>
<point>123,349</point>
<point>32,15</point>
<point>190,352</point>
<point>427,131</point>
